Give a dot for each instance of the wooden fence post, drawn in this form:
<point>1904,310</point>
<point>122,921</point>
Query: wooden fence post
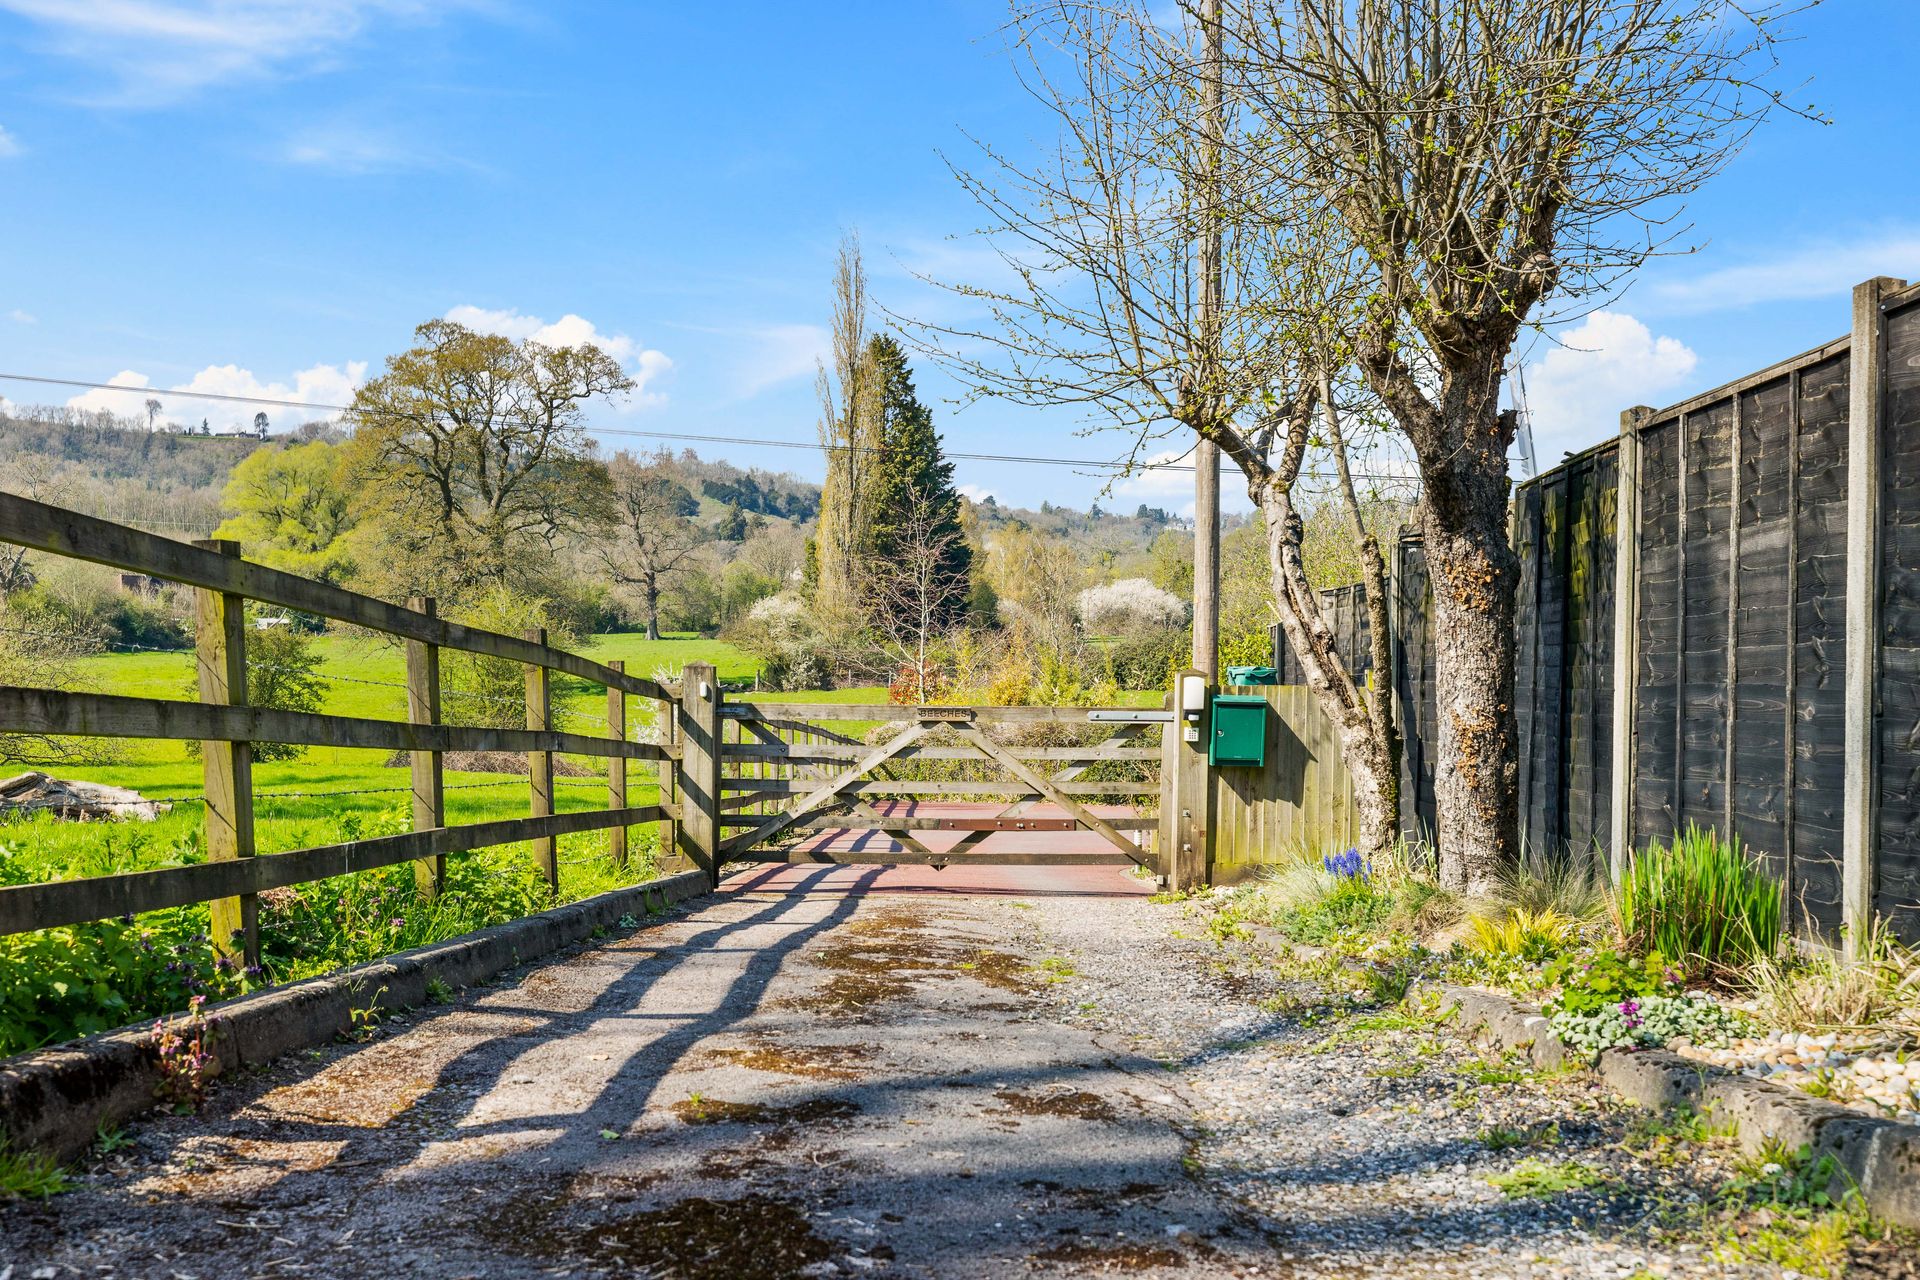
<point>1866,403</point>
<point>1626,639</point>
<point>546,849</point>
<point>1189,787</point>
<point>700,757</point>
<point>429,783</point>
<point>617,767</point>
<point>667,733</point>
<point>227,767</point>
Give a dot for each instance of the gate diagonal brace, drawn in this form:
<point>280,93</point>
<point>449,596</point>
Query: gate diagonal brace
<point>1013,765</point>
<point>1071,773</point>
<point>829,793</point>
<point>859,806</point>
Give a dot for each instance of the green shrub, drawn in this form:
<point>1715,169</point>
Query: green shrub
<point>283,672</point>
<point>1700,898</point>
<point>1147,659</point>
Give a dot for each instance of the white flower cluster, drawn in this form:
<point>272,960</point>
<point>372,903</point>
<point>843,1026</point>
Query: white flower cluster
<point>1128,605</point>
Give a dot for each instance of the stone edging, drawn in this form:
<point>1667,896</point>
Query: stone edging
<point>56,1100</point>
<point>1882,1157</point>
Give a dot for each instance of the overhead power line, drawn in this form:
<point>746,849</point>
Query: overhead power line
<point>695,438</point>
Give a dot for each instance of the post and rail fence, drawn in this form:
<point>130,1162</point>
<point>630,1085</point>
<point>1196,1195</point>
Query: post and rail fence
<point>235,874</point>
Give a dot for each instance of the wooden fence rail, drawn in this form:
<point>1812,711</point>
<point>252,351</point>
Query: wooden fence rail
<point>227,727</point>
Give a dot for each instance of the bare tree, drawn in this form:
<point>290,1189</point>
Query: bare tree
<point>153,411</point>
<point>919,594</point>
<point>1159,288</point>
<point>1483,160</point>
<point>652,534</point>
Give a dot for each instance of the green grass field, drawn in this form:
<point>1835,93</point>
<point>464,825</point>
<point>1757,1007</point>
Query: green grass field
<point>304,802</point>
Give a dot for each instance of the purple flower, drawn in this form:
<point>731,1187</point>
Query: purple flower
<point>1630,1010</point>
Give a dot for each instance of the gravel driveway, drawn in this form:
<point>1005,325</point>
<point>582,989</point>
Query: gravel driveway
<point>832,1072</point>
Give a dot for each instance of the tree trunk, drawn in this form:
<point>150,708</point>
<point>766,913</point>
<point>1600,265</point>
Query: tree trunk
<point>1474,572</point>
<point>1367,756</point>
<point>653,612</point>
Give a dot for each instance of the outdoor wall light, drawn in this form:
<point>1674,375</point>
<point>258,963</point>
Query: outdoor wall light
<point>1193,696</point>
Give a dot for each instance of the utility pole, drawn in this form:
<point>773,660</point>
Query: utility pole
<point>1206,456</point>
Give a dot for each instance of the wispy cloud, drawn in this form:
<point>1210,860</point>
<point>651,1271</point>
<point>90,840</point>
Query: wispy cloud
<point>1818,269</point>
<point>154,52</point>
<point>364,149</point>
<point>9,145</point>
<point>643,364</point>
<point>1602,365</point>
<point>22,317</point>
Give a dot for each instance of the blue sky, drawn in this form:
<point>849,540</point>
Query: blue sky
<point>265,196</point>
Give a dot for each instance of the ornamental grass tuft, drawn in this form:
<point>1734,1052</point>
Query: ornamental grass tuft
<point>1700,898</point>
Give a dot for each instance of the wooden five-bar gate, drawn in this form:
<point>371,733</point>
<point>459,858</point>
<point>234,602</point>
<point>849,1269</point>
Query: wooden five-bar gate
<point>938,785</point>
<point>738,781</point>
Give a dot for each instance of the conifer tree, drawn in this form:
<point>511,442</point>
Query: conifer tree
<point>911,495</point>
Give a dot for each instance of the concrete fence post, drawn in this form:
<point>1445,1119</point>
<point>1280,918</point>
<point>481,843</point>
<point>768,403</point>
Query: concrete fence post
<point>1866,405</point>
<point>1626,638</point>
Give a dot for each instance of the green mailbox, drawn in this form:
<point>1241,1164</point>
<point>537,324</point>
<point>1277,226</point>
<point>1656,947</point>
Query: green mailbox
<point>1239,730</point>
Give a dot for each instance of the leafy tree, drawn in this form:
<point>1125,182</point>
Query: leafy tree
<point>283,672</point>
<point>473,458</point>
<point>288,508</point>
<point>911,502</point>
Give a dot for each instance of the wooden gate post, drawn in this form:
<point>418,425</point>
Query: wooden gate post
<point>700,767</point>
<point>546,849</point>
<point>1866,404</point>
<point>220,644</point>
<point>429,783</point>
<point>617,766</point>
<point>1188,790</point>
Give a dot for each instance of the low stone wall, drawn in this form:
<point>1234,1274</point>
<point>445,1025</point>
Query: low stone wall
<point>55,1100</point>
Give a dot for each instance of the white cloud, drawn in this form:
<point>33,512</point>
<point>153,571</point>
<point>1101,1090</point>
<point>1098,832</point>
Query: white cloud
<point>22,317</point>
<point>9,145</point>
<point>1162,485</point>
<point>1823,270</point>
<point>643,364</point>
<point>158,51</point>
<point>977,493</point>
<point>114,401</point>
<point>1608,362</point>
<point>322,384</point>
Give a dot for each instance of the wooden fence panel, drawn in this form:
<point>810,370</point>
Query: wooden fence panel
<point>1896,887</point>
<point>1819,649</point>
<point>1762,608</point>
<point>1300,804</point>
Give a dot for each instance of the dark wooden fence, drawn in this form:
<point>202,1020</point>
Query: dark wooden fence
<point>1719,623</point>
<point>227,727</point>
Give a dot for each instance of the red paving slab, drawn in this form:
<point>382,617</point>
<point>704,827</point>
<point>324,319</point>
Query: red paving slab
<point>968,881</point>
<point>974,879</point>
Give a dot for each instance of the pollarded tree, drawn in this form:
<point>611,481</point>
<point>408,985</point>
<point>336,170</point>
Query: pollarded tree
<point>911,502</point>
<point>1484,160</point>
<point>1159,287</point>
